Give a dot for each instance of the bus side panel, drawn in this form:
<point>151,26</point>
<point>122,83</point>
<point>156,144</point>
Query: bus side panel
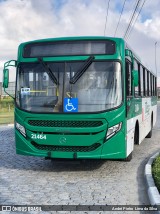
<point>148,108</point>
<point>144,107</point>
<point>134,115</point>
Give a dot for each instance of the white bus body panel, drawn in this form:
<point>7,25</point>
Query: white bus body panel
<point>144,121</point>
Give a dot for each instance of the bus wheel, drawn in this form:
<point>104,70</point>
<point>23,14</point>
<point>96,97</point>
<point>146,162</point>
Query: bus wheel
<point>136,134</point>
<point>150,133</point>
<point>129,158</point>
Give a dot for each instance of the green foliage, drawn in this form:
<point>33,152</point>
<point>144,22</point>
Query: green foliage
<point>156,172</point>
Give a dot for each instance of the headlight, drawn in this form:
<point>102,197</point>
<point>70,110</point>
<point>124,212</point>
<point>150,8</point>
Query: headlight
<point>21,129</point>
<point>113,130</point>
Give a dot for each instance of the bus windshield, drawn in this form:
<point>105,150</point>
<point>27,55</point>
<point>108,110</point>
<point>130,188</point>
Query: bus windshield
<point>98,89</point>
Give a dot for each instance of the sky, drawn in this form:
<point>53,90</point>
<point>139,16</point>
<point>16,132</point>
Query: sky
<point>26,20</point>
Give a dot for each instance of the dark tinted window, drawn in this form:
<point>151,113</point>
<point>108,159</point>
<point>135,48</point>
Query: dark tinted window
<point>142,81</point>
<point>128,78</point>
<point>155,86</point>
<point>138,88</point>
<point>145,79</point>
<point>69,48</point>
<point>149,83</point>
<point>154,92</point>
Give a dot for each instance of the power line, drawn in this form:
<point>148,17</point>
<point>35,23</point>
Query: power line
<point>106,17</point>
<point>132,18</point>
<point>135,20</point>
<point>120,17</point>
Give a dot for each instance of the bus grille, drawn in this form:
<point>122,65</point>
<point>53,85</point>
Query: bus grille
<point>66,148</point>
<point>64,123</point>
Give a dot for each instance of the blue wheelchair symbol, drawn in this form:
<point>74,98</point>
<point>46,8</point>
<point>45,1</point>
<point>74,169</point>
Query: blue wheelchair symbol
<point>70,105</point>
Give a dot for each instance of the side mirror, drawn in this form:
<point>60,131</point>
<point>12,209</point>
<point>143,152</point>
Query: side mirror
<point>127,52</point>
<point>135,78</point>
<point>5,77</point>
<point>11,63</point>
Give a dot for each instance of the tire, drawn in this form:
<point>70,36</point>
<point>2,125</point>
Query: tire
<point>136,134</point>
<point>136,141</point>
<point>149,135</point>
<point>129,158</point>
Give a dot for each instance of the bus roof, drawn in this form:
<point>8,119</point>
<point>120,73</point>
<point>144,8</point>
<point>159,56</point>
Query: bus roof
<point>74,38</point>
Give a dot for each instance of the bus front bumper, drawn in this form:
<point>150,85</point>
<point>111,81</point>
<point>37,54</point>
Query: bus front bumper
<point>113,149</point>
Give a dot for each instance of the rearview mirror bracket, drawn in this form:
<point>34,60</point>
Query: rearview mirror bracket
<point>12,63</point>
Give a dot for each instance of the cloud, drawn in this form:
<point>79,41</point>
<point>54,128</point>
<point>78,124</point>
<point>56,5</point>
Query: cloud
<point>33,19</point>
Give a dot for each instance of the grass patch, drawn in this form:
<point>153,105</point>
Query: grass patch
<point>156,172</point>
<point>6,110</point>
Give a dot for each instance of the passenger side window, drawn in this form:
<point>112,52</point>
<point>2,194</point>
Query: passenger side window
<point>128,78</point>
<point>145,81</point>
<point>137,89</point>
<point>155,86</point>
<point>141,79</point>
<point>149,83</point>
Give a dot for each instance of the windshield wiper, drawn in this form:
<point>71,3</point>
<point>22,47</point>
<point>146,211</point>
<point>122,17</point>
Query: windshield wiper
<point>48,70</point>
<point>81,70</point>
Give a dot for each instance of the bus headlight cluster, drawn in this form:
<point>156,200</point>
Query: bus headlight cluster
<point>21,129</point>
<point>113,130</point>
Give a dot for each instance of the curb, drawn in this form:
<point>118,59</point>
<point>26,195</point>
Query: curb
<point>11,125</point>
<point>6,125</point>
<point>152,190</point>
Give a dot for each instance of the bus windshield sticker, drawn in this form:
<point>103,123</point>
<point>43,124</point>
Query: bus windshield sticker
<point>25,91</point>
<point>70,105</point>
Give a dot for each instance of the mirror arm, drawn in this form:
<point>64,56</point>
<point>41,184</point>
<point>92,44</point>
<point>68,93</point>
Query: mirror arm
<point>8,94</point>
<point>12,63</point>
<point>6,64</point>
<point>130,54</point>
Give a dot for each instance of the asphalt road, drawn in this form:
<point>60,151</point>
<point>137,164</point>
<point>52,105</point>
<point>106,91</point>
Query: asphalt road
<point>35,181</point>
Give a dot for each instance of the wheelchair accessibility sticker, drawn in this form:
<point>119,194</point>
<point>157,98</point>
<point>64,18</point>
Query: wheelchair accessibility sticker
<point>70,105</point>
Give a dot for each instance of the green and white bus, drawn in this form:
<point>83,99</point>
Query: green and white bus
<point>81,98</point>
